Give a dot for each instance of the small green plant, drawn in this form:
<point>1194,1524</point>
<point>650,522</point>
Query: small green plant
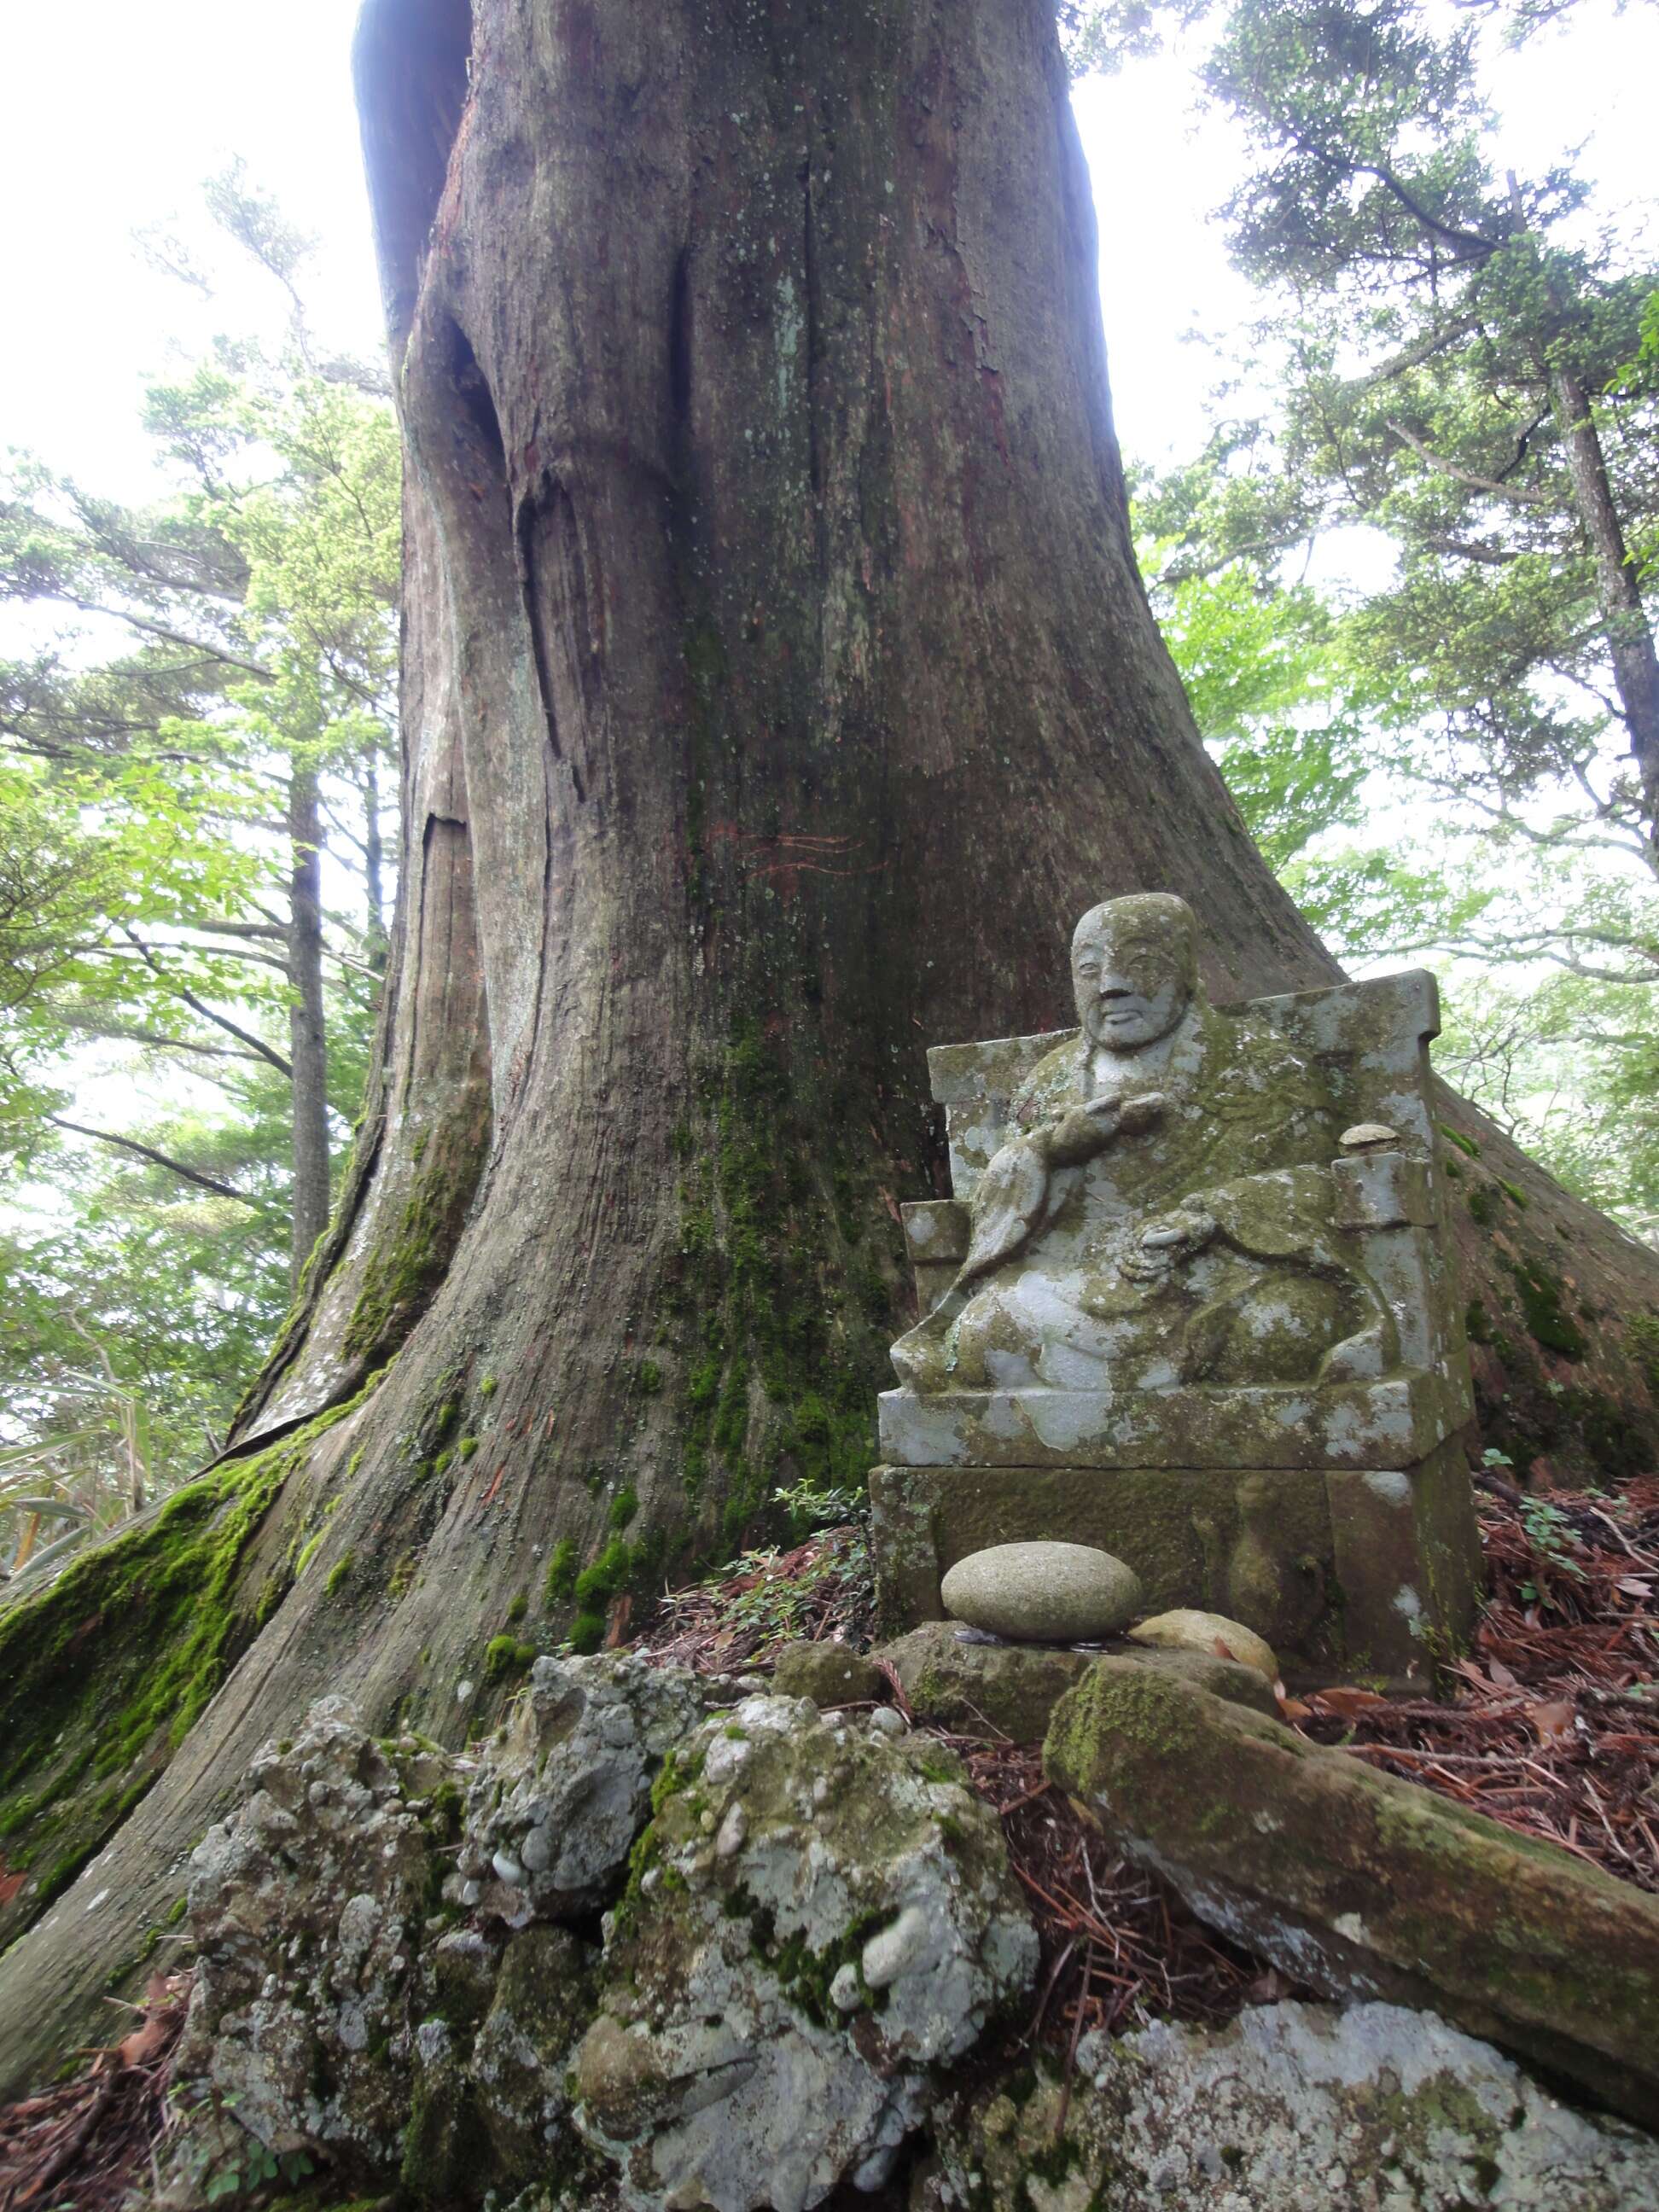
<point>467,1446</point>
<point>586,1632</point>
<point>624,1506</point>
<point>1550,1531</point>
<point>517,1610</point>
<point>487,1388</point>
<point>809,1507</point>
<point>339,1573</point>
<point>257,2167</point>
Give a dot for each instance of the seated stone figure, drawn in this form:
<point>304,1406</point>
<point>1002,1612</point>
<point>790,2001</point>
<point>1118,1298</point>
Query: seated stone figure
<point>1163,1216</point>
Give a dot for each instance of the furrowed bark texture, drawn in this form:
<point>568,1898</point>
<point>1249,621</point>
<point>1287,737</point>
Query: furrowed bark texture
<point>307,1030</point>
<point>779,688</point>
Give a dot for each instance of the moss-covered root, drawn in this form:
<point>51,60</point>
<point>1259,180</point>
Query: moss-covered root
<point>104,1673</point>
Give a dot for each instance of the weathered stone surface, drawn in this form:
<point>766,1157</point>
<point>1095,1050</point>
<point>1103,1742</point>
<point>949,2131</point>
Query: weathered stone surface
<point>550,1824</point>
<point>1185,1630</point>
<point>984,1689</point>
<point>306,1908</point>
<point>829,1673</point>
<point>1011,1689</point>
<point>1364,1885</point>
<point>818,1916</point>
<point>1204,1670</point>
<point>1159,1212</point>
<point>542,2002</point>
<point>334,2013</point>
<point>1043,1592</point>
<point>1291,2108</point>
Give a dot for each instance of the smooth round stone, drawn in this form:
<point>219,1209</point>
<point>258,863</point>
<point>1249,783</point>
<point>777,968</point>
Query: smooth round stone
<point>1042,1593</point>
<point>1185,1630</point>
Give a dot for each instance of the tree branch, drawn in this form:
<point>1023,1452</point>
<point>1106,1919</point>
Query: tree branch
<point>207,1013</point>
<point>158,1159</point>
<point>1514,493</point>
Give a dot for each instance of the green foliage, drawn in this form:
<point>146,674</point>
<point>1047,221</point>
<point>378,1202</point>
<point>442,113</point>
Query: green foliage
<point>1438,765</point>
<point>175,672</point>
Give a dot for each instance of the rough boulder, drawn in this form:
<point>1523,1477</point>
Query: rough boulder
<point>819,1914</point>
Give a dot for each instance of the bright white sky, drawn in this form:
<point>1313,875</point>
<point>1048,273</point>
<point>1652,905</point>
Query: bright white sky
<point>113,112</point>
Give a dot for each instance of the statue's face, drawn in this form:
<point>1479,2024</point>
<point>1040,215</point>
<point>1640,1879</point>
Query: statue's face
<point>1132,982</point>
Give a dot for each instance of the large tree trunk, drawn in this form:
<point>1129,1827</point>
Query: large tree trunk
<point>307,1030</point>
<point>779,687</point>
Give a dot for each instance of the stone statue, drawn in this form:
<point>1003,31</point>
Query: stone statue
<point>1193,1302</point>
<point>1162,1213</point>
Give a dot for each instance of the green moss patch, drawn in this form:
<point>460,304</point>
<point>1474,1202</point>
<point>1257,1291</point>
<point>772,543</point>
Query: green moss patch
<point>106,1671</point>
<point>407,1262</point>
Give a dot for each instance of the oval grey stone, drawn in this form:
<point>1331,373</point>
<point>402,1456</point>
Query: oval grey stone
<point>1043,1592</point>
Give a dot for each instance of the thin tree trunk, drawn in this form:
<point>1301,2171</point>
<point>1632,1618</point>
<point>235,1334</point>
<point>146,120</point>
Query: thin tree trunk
<point>307,1034</point>
<point>778,688</point>
<point>1630,636</point>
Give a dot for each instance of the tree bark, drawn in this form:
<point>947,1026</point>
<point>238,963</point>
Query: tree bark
<point>779,687</point>
<point>374,933</point>
<point>308,1032</point>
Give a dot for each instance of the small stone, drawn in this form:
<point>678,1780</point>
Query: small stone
<point>1368,1137</point>
<point>733,1829</point>
<point>1042,1593</point>
<point>844,1992</point>
<point>508,1870</point>
<point>887,1720</point>
<point>1186,1630</point>
<point>894,1949</point>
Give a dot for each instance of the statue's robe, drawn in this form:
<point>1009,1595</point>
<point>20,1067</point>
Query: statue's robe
<point>1058,1288</point>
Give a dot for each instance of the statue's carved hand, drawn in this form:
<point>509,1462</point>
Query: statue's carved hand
<point>1167,1240</point>
<point>1084,1130</point>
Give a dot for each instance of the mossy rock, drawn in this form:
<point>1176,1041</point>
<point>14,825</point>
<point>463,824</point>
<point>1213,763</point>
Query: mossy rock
<point>1362,1884</point>
<point>829,1673</point>
<point>1011,1689</point>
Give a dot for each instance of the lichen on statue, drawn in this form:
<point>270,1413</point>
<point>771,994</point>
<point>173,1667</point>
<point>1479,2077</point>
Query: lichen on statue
<point>1161,1216</point>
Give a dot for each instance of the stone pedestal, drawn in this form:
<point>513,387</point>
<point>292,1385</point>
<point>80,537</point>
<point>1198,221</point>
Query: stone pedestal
<point>1374,1571</point>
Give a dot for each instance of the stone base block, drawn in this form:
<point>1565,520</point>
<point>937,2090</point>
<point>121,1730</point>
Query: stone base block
<point>1371,1571</point>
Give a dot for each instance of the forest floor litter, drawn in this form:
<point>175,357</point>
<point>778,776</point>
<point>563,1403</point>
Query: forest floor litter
<point>86,2144</point>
